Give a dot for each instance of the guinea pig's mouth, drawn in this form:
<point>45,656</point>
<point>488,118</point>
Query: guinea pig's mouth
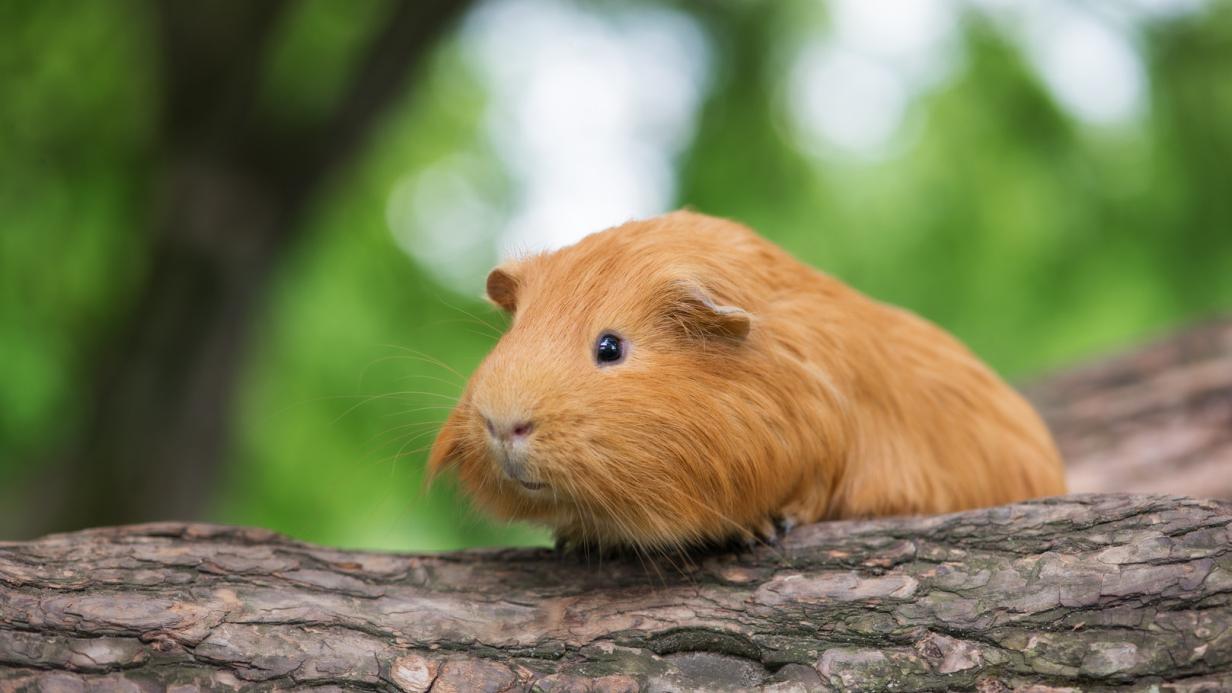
<point>514,468</point>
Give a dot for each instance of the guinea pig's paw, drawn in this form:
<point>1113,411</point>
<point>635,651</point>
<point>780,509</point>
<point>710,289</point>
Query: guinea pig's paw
<point>769,532</point>
<point>766,533</point>
<point>569,545</point>
<point>585,550</point>
<point>784,525</point>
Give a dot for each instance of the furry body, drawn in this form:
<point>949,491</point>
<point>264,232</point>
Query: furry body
<point>755,389</point>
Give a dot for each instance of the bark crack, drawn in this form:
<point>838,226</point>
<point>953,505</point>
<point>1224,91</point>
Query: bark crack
<point>1088,591</point>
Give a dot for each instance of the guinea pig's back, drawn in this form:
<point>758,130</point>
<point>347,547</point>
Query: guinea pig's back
<point>927,426</point>
<point>892,414</point>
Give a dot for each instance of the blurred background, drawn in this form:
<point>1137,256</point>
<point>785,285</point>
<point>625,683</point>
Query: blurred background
<point>244,242</point>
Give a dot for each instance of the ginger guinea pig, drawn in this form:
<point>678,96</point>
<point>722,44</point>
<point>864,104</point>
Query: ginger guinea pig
<point>681,381</point>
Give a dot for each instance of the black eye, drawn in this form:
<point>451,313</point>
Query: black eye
<point>609,349</point>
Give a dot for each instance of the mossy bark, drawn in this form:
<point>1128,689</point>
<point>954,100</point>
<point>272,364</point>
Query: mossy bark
<point>1089,592</point>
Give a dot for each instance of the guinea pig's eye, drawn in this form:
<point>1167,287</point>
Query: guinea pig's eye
<point>609,349</point>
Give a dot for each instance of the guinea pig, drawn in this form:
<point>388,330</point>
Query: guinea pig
<point>681,381</point>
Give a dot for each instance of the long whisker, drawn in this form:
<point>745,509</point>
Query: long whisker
<point>423,377</point>
<point>402,450</point>
<point>426,358</point>
<point>390,395</point>
<point>414,426</point>
<point>491,333</point>
<point>429,407</point>
<point>469,315</point>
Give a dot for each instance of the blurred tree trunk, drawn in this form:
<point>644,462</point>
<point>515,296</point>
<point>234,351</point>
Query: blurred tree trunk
<point>228,207</point>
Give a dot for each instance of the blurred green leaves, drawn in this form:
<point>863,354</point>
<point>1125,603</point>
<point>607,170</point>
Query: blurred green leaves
<point>74,128</point>
<point>1035,238</point>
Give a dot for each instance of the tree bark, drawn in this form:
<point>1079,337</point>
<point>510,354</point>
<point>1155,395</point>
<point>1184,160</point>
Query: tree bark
<point>1157,419</point>
<point>1088,591</point>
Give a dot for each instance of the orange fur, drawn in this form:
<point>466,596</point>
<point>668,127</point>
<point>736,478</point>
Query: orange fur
<point>754,388</point>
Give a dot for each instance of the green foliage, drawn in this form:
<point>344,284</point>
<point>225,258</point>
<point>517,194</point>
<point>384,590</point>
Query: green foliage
<point>75,124</point>
<point>1036,239</point>
<point>361,358</point>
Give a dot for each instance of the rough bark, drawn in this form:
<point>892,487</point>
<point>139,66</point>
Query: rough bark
<point>1088,591</point>
<point>1157,419</point>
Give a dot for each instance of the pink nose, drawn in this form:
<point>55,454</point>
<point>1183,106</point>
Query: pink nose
<point>508,431</point>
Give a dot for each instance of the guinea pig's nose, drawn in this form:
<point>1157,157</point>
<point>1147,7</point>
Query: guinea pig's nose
<point>515,430</point>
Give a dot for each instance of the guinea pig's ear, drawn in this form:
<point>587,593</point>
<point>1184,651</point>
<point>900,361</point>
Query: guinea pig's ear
<point>702,315</point>
<point>503,288</point>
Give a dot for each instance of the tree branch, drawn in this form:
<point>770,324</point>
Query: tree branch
<point>1157,419</point>
<point>228,205</point>
<point>391,58</point>
<point>1089,591</point>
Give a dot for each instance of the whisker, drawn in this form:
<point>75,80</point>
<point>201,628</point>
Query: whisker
<point>390,395</point>
<point>402,450</point>
<point>424,377</point>
<point>426,358</point>
<point>469,315</point>
<point>493,333</point>
<point>427,426</point>
<point>430,407</point>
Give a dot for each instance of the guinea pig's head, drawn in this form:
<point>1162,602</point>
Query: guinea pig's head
<point>600,412</point>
